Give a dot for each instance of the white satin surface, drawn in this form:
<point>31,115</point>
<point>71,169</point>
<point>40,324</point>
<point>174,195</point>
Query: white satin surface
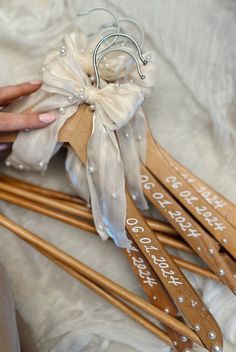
<point>194,42</point>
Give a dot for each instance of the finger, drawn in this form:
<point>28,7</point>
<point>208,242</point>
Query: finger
<point>9,93</point>
<point>15,122</point>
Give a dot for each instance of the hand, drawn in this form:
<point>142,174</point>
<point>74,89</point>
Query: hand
<point>18,121</point>
<point>15,121</point>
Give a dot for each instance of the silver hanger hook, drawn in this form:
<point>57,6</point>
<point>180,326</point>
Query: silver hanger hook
<point>84,13</point>
<point>144,61</point>
<point>132,21</point>
<point>130,53</point>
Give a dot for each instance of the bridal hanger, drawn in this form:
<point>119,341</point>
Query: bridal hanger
<point>221,204</point>
<point>112,13</point>
<point>76,131</point>
<point>221,225</point>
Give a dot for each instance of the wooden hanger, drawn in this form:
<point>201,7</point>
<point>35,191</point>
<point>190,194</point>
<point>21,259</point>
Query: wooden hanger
<point>76,131</point>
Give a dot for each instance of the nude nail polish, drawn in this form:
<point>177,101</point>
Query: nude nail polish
<point>36,81</point>
<point>47,118</point>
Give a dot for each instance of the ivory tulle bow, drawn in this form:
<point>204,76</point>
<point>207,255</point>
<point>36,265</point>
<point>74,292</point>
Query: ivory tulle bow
<point>67,86</point>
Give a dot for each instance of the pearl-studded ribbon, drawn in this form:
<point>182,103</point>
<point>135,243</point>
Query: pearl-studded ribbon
<point>66,86</point>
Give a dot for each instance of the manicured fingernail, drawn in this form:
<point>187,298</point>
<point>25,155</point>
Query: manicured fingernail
<point>47,118</point>
<point>36,81</point>
<point>4,146</point>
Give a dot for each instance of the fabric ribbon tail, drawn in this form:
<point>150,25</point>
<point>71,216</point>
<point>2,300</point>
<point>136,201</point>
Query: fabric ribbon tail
<point>106,182</point>
<point>77,175</point>
<point>139,126</point>
<point>130,159</point>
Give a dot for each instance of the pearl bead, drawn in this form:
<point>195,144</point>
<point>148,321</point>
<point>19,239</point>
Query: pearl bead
<point>41,163</point>
<point>180,299</point>
<point>140,138</point>
<point>148,57</point>
<point>187,350</point>
<point>221,272</point>
<point>131,81</point>
<point>92,107</point>
<point>63,51</point>
<point>196,327</point>
<point>234,276</point>
<point>7,163</point>
<point>114,195</point>
<point>210,250</point>
<point>100,227</point>
<point>70,98</point>
<point>143,77</point>
<point>91,169</point>
<point>117,85</point>
<point>126,134</point>
<point>211,335</point>
<point>216,348</point>
<point>175,343</point>
<point>92,78</point>
<point>183,338</point>
<point>134,196</point>
<point>82,50</point>
<point>167,310</point>
<point>76,95</point>
<point>62,111</point>
<point>91,50</point>
<point>155,298</point>
<point>21,167</point>
<point>224,240</point>
<point>199,249</point>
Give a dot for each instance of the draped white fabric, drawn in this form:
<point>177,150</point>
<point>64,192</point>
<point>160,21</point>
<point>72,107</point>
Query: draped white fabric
<point>195,89</point>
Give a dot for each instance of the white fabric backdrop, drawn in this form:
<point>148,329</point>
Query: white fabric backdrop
<point>192,115</point>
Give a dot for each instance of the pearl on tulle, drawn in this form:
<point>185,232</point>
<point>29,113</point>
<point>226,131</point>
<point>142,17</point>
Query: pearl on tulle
<point>63,51</point>
<point>148,57</point>
<point>91,169</point>
<point>139,138</point>
<point>62,110</point>
<point>92,107</point>
<point>180,299</point>
<point>100,227</point>
<point>211,335</point>
<point>21,166</point>
<point>107,65</point>
<point>117,85</point>
<point>114,195</point>
<point>221,272</point>
<point>92,78</point>
<point>126,134</point>
<point>41,163</point>
<point>82,50</point>
<point>91,50</point>
<point>183,338</point>
<point>70,98</point>
<point>7,163</point>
